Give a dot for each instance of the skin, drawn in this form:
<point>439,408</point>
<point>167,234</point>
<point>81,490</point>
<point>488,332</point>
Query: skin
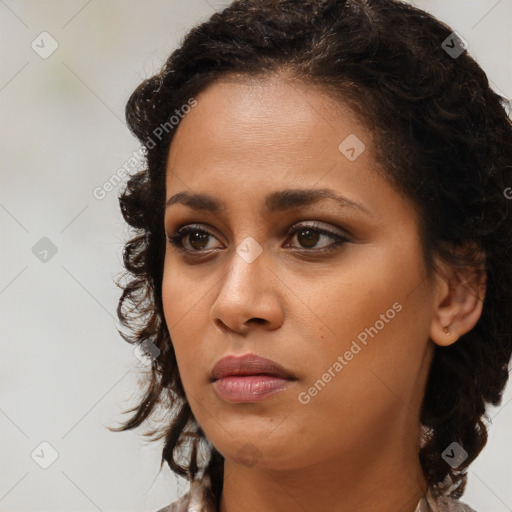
<point>354,445</point>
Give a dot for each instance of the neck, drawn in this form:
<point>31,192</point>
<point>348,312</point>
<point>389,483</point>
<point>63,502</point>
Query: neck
<point>385,475</point>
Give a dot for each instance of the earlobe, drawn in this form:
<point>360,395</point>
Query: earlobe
<point>458,306</point>
<point>443,335</point>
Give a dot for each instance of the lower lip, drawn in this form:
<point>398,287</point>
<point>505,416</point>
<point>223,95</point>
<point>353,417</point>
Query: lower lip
<point>249,388</point>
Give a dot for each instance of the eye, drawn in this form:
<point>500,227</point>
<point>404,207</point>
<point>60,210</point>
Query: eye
<point>310,235</point>
<point>307,235</point>
<point>198,238</point>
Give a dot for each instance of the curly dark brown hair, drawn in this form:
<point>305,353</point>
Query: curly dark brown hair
<point>444,138</point>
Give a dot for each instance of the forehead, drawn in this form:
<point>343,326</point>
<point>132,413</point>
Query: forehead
<point>267,127</point>
<point>245,140</point>
<point>251,112</point>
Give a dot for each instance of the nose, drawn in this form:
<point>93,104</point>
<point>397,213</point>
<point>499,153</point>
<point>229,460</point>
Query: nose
<point>249,297</point>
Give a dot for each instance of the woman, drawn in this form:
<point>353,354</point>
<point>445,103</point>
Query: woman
<point>321,271</point>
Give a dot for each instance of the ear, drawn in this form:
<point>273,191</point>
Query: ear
<point>458,301</point>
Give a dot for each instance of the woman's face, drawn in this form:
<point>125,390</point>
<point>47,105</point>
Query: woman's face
<point>349,324</point>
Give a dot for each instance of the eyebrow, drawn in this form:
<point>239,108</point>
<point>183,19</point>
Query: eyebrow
<point>275,202</point>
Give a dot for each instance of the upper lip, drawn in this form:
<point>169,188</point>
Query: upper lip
<point>248,364</point>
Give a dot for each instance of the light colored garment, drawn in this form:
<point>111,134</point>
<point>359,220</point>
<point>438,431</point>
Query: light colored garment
<point>196,500</point>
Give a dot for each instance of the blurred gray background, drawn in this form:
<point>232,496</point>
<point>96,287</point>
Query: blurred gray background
<point>67,70</point>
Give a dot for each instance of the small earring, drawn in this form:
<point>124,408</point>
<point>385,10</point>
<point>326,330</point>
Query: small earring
<point>447,330</point>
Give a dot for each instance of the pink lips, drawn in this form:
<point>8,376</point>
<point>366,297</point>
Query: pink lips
<point>249,378</point>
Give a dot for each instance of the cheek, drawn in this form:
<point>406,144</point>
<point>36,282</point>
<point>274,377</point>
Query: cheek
<point>375,284</point>
<point>183,295</point>
<point>357,294</point>
<point>183,313</point>
<point>174,302</point>
<point>375,315</point>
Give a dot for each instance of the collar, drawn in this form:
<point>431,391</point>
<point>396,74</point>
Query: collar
<point>198,499</point>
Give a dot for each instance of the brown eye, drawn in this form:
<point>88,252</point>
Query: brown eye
<point>198,239</point>
<point>192,240</point>
<point>309,236</point>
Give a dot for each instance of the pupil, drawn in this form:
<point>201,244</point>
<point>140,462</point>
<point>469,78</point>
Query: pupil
<point>311,239</point>
<point>202,237</point>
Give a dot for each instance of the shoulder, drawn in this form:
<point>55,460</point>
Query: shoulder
<point>453,505</point>
<point>197,499</point>
<point>435,501</point>
<point>181,505</point>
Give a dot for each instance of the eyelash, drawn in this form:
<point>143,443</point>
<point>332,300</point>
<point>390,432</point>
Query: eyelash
<point>176,237</point>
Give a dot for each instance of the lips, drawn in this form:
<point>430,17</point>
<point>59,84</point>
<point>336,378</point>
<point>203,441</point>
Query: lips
<point>249,364</point>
